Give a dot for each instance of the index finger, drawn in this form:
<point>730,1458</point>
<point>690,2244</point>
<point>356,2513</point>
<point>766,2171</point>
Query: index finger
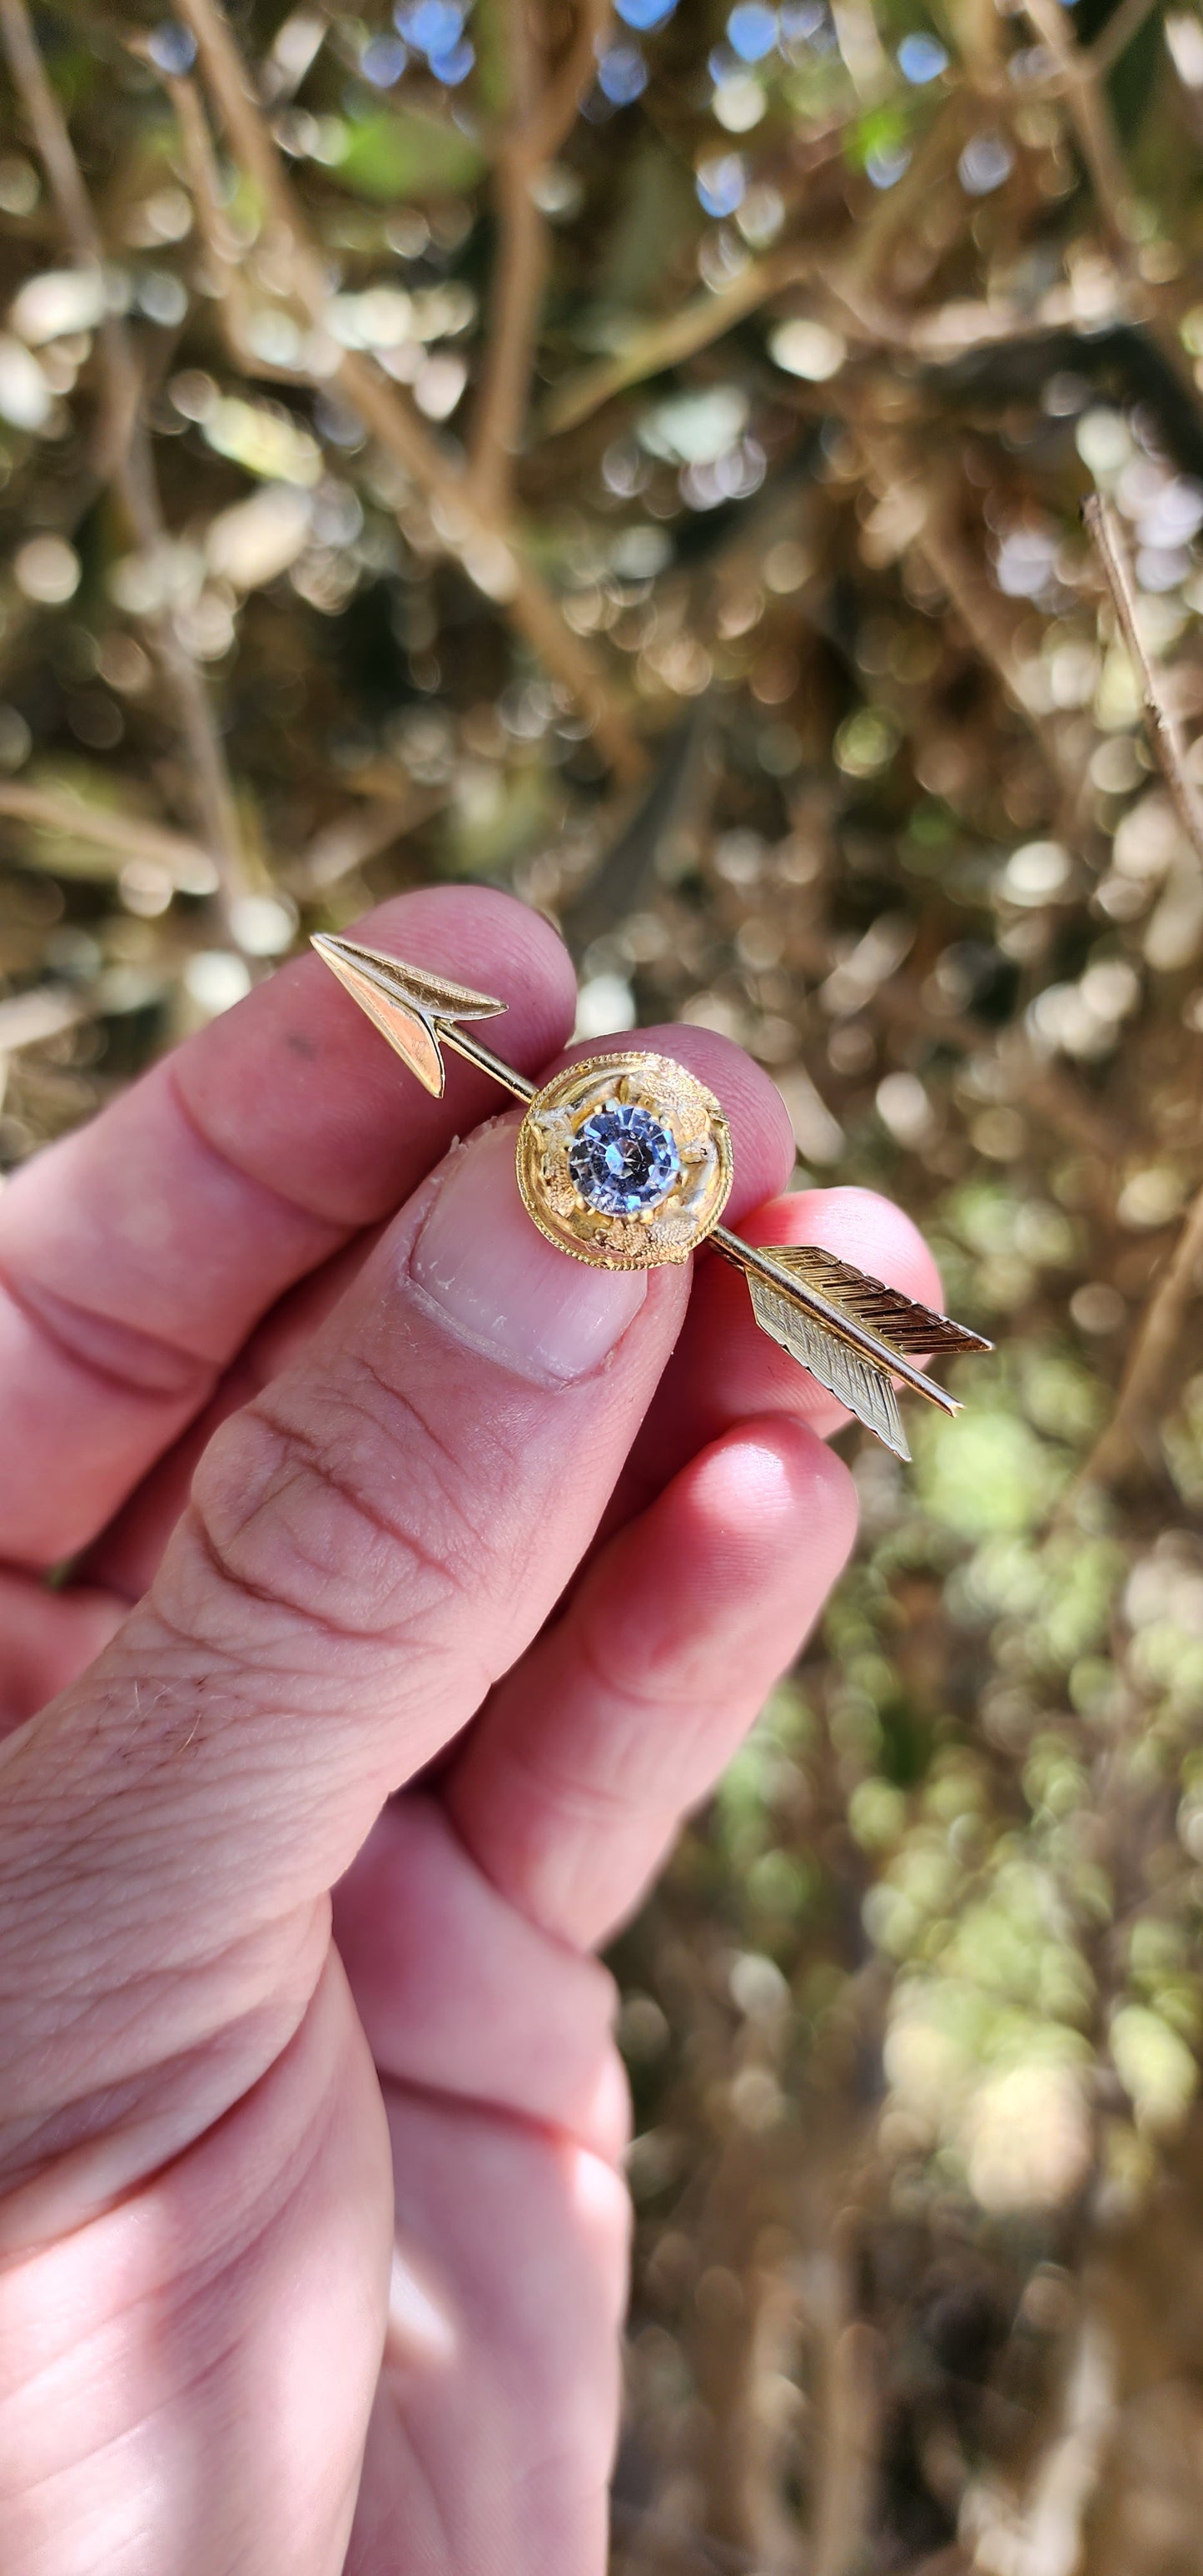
<point>137,1254</point>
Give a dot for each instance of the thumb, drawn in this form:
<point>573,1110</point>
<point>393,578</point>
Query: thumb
<point>367,1547</point>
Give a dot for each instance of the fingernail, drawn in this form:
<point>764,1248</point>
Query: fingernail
<point>496,1280</point>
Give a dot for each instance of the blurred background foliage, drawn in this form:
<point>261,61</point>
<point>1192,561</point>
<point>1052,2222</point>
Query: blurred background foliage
<point>635,455</point>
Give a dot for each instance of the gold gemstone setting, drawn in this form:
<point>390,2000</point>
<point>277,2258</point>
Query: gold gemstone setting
<point>590,1101</point>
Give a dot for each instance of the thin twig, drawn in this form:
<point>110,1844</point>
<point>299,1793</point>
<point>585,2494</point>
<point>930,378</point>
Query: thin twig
<point>520,274</point>
<point>541,112</point>
<point>491,557</point>
<point>862,52</point>
<point>28,1019</point>
<point>899,210</point>
<point>358,835</point>
<point>489,548</point>
<point>1050,2532</point>
<point>943,333</point>
<point>200,166</point>
<point>1156,1347</point>
<point>851,2452</point>
<point>1080,75</point>
<point>1089,62</point>
<point>1091,119</point>
<point>567,87</point>
<point>131,463</point>
<point>1121,30</point>
<point>930,537</point>
<point>189,865</point>
<point>1161,1330</point>
<point>665,343</point>
<point>1164,731</point>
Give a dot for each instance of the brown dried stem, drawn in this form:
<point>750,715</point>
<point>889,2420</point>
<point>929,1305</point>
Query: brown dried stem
<point>129,460</point>
<point>1142,1393</point>
<point>940,334</point>
<point>873,242</point>
<point>706,318</point>
<point>200,166</point>
<point>1123,26</point>
<point>1091,119</point>
<point>852,2449</point>
<point>128,457</point>
<point>520,274</point>
<point>567,86</point>
<point>1164,730</point>
<point>931,537</point>
<point>29,1019</point>
<point>357,835</point>
<point>488,545</point>
<point>679,335</point>
<point>540,114</point>
<point>185,861</point>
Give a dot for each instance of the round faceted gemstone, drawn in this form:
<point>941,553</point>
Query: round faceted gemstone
<point>621,1160</point>
<point>624,1161</point>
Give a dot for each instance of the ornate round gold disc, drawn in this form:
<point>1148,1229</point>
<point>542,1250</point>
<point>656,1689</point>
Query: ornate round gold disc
<point>625,1161</point>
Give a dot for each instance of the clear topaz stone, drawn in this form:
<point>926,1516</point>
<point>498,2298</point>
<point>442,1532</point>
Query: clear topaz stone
<point>622,1159</point>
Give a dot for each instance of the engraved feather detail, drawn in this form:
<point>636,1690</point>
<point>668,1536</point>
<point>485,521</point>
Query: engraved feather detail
<point>804,1312</point>
<point>868,1391</point>
<point>899,1320</point>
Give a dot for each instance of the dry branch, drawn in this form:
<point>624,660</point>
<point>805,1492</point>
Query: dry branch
<point>489,547</point>
<point>361,833</point>
<point>29,1019</point>
<point>1145,1379</point>
<point>225,260</point>
<point>520,273</point>
<point>1164,730</point>
<point>665,343</point>
<point>129,461</point>
<point>1122,27</point>
<point>128,458</point>
<point>1091,119</point>
<point>187,864</point>
<point>851,2451</point>
<point>930,536</point>
<point>571,79</point>
<point>1155,1353</point>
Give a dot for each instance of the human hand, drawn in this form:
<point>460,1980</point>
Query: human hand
<point>312,2245</point>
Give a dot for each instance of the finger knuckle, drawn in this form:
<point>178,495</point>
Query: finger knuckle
<point>345,1514</point>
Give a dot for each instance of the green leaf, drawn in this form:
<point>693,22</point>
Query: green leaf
<point>884,129</point>
<point>402,157</point>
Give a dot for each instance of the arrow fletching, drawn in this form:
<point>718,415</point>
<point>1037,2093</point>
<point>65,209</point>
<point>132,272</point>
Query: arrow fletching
<point>404,1002</point>
<point>805,1310</point>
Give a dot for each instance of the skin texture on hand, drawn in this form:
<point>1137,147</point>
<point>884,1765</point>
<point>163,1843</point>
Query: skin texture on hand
<point>312,2225</point>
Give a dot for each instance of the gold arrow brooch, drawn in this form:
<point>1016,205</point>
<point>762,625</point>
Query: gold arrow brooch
<point>625,1161</point>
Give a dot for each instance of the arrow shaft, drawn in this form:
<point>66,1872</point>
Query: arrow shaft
<point>748,1258</point>
<point>452,1035</point>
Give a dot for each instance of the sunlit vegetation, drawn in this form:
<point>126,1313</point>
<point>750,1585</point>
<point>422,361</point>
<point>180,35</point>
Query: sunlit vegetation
<point>636,456</point>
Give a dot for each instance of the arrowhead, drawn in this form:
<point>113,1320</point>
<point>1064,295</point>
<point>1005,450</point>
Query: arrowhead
<point>404,1002</point>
